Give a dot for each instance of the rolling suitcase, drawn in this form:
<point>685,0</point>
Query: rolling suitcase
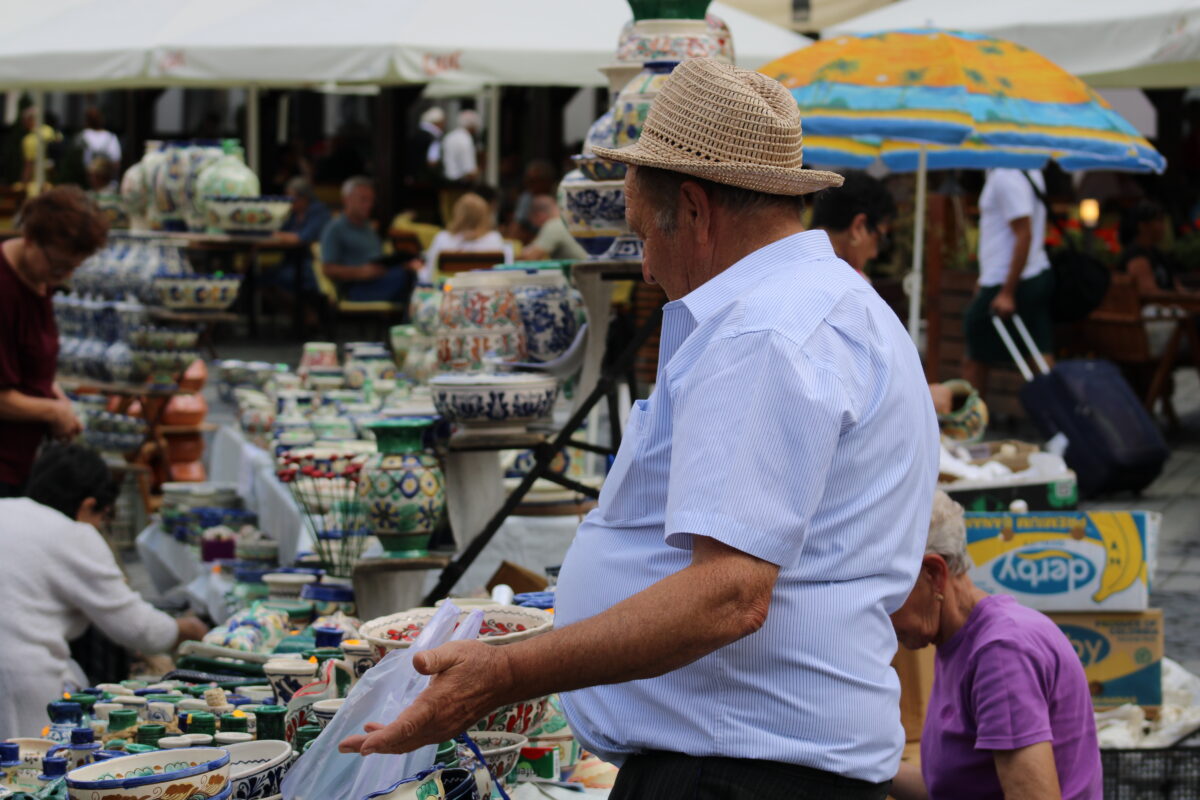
<point>1113,444</point>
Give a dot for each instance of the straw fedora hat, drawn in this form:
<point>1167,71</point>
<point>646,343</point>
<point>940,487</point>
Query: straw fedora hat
<point>727,125</point>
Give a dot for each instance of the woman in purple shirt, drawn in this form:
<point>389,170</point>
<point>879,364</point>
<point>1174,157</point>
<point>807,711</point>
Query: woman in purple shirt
<point>1010,715</point>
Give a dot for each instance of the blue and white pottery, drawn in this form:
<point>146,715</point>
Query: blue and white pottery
<point>197,773</point>
<point>288,675</point>
<point>257,768</point>
<point>247,216</point>
<point>602,133</point>
<point>453,783</point>
<point>499,401</point>
<point>544,299</point>
<point>593,211</point>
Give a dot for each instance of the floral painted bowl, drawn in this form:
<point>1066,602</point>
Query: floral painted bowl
<point>501,625</point>
<point>32,752</point>
<point>494,401</point>
<point>500,751</point>
<point>257,768</point>
<point>518,718</point>
<point>600,169</point>
<point>190,773</point>
<point>207,293</point>
<point>248,216</point>
<point>592,210</point>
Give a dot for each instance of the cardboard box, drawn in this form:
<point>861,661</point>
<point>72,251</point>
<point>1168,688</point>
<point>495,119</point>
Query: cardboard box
<point>1066,561</point>
<point>1121,654</point>
<point>915,670</point>
<point>1039,494</point>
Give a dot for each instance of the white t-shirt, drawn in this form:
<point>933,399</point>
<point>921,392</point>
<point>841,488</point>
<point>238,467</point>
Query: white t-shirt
<point>101,143</point>
<point>1007,196</point>
<point>458,154</point>
<point>56,575</point>
<point>455,242</point>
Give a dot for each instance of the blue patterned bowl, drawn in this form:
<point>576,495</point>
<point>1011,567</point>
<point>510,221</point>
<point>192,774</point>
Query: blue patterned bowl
<point>257,768</point>
<point>197,773</point>
<point>494,401</point>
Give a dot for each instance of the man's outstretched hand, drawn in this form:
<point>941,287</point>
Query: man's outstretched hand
<point>470,679</point>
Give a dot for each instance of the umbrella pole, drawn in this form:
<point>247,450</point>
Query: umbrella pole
<point>493,137</point>
<point>39,163</point>
<point>916,279</point>
<point>252,129</point>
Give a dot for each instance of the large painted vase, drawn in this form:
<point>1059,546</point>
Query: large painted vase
<point>136,189</point>
<point>227,176</point>
<point>479,321</point>
<point>593,211</point>
<point>633,103</point>
<point>200,156</point>
<point>401,487</point>
<point>547,311</point>
<point>170,180</point>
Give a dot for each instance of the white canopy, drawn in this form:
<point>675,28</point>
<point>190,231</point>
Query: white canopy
<point>86,44</point>
<point>1133,43</point>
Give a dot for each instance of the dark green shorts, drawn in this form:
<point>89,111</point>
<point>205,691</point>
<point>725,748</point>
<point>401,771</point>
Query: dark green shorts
<point>1033,304</point>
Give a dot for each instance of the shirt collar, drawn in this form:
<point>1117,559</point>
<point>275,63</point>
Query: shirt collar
<point>706,300</point>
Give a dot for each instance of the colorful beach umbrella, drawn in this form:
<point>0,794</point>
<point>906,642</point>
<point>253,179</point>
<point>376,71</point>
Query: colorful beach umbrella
<point>928,99</point>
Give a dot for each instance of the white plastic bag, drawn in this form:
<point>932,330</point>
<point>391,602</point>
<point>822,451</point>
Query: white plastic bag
<point>390,686</point>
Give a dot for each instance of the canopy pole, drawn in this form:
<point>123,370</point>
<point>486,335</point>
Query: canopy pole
<point>916,277</point>
<point>493,136</point>
<point>252,129</point>
<point>39,162</point>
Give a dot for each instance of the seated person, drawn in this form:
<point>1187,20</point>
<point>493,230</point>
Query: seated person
<point>58,575</point>
<point>472,229</point>
<point>1010,713</point>
<point>305,224</point>
<point>553,240</point>
<point>352,252</point>
<point>1143,229</point>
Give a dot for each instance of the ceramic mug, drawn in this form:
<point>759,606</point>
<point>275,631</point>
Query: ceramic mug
<point>100,710</point>
<point>324,710</point>
<point>258,693</point>
<point>358,655</point>
<point>288,675</point>
<point>160,711</point>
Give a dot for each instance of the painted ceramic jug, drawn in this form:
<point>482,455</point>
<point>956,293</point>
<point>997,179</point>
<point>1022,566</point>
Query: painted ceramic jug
<point>546,311</point>
<point>227,176</point>
<point>401,487</point>
<point>169,180</point>
<point>633,103</point>
<point>480,320</point>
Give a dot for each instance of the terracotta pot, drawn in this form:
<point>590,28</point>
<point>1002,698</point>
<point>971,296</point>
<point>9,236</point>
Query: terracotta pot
<point>185,409</point>
<point>194,377</point>
<point>192,472</point>
<point>184,447</point>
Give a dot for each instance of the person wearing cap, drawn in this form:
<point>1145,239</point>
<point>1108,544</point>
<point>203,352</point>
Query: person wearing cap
<point>721,619</point>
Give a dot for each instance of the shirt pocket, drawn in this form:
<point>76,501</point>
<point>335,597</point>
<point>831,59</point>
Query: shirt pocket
<point>631,495</point>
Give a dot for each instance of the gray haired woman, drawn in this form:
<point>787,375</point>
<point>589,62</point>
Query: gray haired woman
<point>1010,715</point>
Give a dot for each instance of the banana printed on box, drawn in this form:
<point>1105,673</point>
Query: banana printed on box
<point>1066,561</point>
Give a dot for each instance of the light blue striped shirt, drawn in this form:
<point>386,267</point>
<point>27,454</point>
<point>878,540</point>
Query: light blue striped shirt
<point>791,420</point>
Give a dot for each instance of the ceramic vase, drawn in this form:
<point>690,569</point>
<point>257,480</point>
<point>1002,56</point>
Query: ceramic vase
<point>424,309</point>
<point>401,487</point>
<point>287,676</point>
<point>480,321</point>
<point>200,156</point>
<point>170,180</point>
<point>633,103</point>
<point>593,211</point>
<point>152,163</point>
<point>673,39</point>
<point>227,176</point>
<point>547,313</point>
<point>369,362</point>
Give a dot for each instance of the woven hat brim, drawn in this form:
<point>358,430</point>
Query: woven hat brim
<point>755,177</point>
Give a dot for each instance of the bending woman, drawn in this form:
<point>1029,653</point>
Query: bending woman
<point>1010,715</point>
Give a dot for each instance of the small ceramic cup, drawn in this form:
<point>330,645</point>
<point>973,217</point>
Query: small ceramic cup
<point>198,739</point>
<point>324,710</point>
<point>100,710</point>
<point>138,704</point>
<point>192,704</point>
<point>174,742</point>
<point>160,711</point>
<point>222,739</point>
<point>288,675</point>
<point>257,693</point>
<point>357,654</point>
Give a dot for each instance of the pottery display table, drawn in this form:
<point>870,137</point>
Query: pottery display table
<point>205,320</point>
<point>248,250</point>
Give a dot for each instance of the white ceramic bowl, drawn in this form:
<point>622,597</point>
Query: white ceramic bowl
<point>491,401</point>
<point>188,772</point>
<point>247,216</point>
<point>501,625</point>
<point>500,751</point>
<point>257,768</point>
<point>287,584</point>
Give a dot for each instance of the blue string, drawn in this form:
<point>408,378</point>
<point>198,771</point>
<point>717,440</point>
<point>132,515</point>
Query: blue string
<point>466,739</point>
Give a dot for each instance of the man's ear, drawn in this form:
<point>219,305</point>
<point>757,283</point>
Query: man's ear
<point>695,211</point>
<point>86,508</point>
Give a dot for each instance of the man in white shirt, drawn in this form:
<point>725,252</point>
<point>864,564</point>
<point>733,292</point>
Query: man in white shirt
<point>459,162</point>
<point>1014,271</point>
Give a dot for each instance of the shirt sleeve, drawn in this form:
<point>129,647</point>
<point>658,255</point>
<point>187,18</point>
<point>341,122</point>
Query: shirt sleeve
<point>1014,195</point>
<point>754,431</point>
<point>1008,696</point>
<point>332,251</point>
<point>93,583</point>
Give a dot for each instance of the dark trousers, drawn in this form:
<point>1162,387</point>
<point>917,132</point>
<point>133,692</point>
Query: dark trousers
<point>674,776</point>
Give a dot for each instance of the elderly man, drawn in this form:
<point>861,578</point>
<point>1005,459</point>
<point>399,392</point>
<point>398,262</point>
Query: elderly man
<point>553,240</point>
<point>352,253</point>
<point>722,616</point>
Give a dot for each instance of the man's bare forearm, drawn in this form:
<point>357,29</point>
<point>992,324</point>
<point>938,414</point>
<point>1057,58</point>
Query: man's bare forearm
<point>19,407</point>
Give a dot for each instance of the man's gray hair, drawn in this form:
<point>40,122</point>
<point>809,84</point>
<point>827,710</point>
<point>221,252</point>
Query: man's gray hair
<point>357,181</point>
<point>470,119</point>
<point>300,186</point>
<point>660,191</point>
<point>434,116</point>
<point>948,533</point>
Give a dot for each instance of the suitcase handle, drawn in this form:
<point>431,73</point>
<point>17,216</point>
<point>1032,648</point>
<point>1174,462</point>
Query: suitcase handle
<point>1015,352</point>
